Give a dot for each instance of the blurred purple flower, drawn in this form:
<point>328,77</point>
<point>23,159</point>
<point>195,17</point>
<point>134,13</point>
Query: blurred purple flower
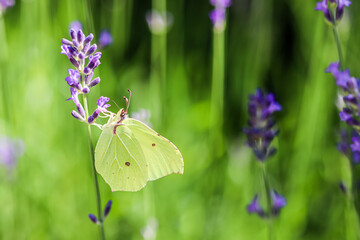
<point>342,187</point>
<point>105,39</point>
<point>260,132</point>
<point>76,25</point>
<point>221,3</point>
<point>93,218</point>
<point>339,8</point>
<point>107,208</point>
<point>4,4</point>
<point>254,206</point>
<point>218,14</point>
<point>278,202</point>
<point>10,151</point>
<point>350,88</point>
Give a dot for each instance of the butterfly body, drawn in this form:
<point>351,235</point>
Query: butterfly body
<point>129,153</point>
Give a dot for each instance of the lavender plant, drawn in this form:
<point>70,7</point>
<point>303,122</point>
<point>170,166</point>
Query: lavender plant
<point>348,99</point>
<point>105,39</point>
<point>128,152</point>
<point>260,134</point>
<point>4,4</point>
<point>85,59</point>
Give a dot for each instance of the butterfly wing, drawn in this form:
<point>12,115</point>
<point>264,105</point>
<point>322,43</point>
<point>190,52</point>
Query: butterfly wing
<point>161,155</point>
<point>120,160</point>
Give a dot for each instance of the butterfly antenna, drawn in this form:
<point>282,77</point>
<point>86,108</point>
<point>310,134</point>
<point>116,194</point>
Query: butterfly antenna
<point>115,104</point>
<point>128,100</point>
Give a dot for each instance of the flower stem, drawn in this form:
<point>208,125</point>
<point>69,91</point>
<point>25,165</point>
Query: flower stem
<point>268,199</point>
<point>336,37</point>
<point>96,183</point>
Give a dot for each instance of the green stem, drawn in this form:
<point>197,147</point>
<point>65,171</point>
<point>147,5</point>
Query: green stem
<point>336,37</point>
<point>217,92</point>
<point>268,199</point>
<point>158,81</point>
<point>96,183</point>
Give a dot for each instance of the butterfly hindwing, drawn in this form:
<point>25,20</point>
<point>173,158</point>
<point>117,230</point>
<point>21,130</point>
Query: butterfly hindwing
<point>120,160</point>
<point>162,156</point>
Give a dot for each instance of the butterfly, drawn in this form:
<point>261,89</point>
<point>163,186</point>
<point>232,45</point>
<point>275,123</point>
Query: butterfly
<point>128,154</point>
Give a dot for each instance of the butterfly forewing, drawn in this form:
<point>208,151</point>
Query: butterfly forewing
<point>162,156</point>
<point>120,160</point>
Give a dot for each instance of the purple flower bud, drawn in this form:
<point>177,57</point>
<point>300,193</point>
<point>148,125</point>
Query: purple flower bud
<point>88,77</point>
<point>73,51</point>
<point>80,109</point>
<point>342,187</point>
<point>278,202</point>
<point>87,70</point>
<point>76,43</point>
<point>85,90</point>
<point>254,206</point>
<point>107,208</point>
<point>66,42</point>
<point>102,103</point>
<point>74,62</point>
<point>76,115</point>
<point>81,56</point>
<point>89,38</point>
<point>105,39</point>
<point>73,34</point>
<point>85,47</point>
<point>91,119</point>
<point>91,50</point>
<point>93,218</point>
<point>94,82</point>
<point>80,36</point>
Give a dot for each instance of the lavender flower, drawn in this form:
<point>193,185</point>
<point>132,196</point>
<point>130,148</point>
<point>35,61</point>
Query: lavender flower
<point>80,114</point>
<point>335,6</point>
<point>159,22</point>
<point>350,90</point>
<point>278,202</point>
<point>4,4</point>
<point>105,39</point>
<point>107,208</point>
<point>93,218</point>
<point>254,207</point>
<point>10,151</point>
<point>342,187</point>
<point>218,15</point>
<point>102,107</point>
<point>260,132</point>
<point>78,49</point>
<point>76,25</point>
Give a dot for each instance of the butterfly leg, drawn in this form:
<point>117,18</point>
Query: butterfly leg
<point>114,130</point>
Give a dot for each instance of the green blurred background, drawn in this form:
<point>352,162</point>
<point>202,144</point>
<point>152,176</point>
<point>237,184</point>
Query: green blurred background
<point>282,46</point>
